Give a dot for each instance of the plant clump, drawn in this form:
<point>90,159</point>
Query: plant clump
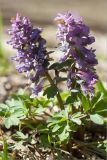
<point>69,123</point>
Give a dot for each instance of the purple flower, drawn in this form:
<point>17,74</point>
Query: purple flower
<point>89,79</point>
<point>37,88</point>
<point>73,30</point>
<point>31,49</point>
<point>70,78</point>
<point>74,37</point>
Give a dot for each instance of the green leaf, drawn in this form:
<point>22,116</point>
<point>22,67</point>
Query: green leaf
<point>63,113</point>
<point>20,114</point>
<point>42,128</point>
<point>98,96</point>
<point>69,100</point>
<point>64,136</point>
<point>57,66</point>
<point>20,135</point>
<point>101,88</point>
<point>63,119</point>
<point>14,103</point>
<point>49,138</point>
<point>56,128</point>
<point>76,120</point>
<point>85,103</point>
<point>65,133</point>
<point>101,107</point>
<point>44,102</point>
<point>105,145</point>
<point>66,112</point>
<point>11,121</point>
<point>3,106</point>
<point>10,103</point>
<point>52,121</point>
<point>77,115</point>
<point>18,145</point>
<point>96,118</point>
<point>3,109</point>
<point>54,65</point>
<point>44,140</point>
<point>39,110</point>
<point>21,92</point>
<point>64,95</point>
<point>50,92</point>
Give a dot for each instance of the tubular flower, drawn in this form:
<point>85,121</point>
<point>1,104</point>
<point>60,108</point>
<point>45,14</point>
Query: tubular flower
<point>31,50</point>
<point>74,37</point>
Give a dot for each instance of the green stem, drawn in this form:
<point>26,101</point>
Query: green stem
<point>58,95</point>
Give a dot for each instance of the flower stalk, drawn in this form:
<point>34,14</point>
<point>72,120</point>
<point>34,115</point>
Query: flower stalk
<point>60,102</point>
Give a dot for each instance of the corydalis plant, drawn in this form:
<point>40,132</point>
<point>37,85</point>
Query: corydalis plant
<point>32,57</point>
<point>74,38</point>
<point>78,61</point>
<point>31,51</point>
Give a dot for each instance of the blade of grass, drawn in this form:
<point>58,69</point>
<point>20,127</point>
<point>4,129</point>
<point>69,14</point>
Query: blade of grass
<point>5,150</point>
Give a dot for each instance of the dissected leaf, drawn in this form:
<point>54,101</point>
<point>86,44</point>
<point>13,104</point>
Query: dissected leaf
<point>20,135</point>
<point>3,109</point>
<point>11,121</point>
